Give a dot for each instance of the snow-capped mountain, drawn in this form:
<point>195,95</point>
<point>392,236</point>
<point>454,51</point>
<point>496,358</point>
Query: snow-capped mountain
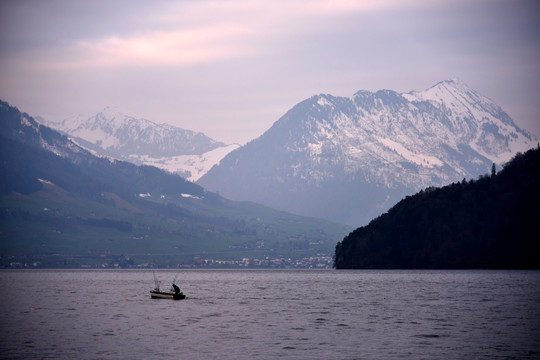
<point>349,159</point>
<point>33,153</point>
<point>140,141</point>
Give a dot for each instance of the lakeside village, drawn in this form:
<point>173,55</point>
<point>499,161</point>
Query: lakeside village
<point>319,261</point>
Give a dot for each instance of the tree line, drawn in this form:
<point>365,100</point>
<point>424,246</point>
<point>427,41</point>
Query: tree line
<point>488,223</point>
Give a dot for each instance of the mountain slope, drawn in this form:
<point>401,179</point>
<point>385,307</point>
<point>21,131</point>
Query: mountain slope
<point>62,206</point>
<point>488,223</point>
<point>140,141</point>
<point>349,159</point>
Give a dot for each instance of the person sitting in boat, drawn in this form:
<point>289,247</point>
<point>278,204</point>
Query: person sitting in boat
<point>176,289</point>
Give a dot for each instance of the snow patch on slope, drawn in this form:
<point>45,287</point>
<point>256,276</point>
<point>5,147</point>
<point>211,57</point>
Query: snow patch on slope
<point>418,159</point>
<point>192,167</point>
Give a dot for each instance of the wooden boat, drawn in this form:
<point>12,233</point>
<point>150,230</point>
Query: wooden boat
<point>174,294</point>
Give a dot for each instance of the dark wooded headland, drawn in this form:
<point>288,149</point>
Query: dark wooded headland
<point>489,223</point>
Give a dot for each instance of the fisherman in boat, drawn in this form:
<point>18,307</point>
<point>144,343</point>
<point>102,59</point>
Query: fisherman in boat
<point>178,295</point>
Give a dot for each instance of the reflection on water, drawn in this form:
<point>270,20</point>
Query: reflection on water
<point>271,314</point>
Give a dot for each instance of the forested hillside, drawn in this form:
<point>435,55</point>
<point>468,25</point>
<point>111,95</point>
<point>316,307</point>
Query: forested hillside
<point>488,223</point>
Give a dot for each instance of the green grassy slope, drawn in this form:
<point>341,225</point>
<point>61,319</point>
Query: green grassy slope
<point>58,229</point>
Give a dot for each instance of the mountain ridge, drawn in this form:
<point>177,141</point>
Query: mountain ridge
<point>356,156</point>
<point>140,141</point>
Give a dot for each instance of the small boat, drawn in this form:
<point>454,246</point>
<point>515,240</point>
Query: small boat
<point>174,294</point>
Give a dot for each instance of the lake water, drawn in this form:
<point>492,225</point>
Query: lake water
<point>268,314</point>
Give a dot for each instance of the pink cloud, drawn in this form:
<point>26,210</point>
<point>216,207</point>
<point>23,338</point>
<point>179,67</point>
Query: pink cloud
<point>184,34</point>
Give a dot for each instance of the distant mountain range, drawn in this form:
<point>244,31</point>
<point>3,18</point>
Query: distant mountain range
<point>140,141</point>
<point>348,159</point>
<point>62,206</point>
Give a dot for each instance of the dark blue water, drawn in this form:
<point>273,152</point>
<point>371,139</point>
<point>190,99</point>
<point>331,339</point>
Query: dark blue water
<point>271,314</point>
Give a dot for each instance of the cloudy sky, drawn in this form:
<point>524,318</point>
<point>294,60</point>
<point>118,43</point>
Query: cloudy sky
<point>232,68</point>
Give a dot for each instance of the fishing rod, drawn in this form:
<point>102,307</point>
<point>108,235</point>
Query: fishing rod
<point>156,282</point>
<point>174,280</point>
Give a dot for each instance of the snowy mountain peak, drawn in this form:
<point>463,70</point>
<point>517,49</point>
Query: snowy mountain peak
<point>444,91</point>
<point>458,96</point>
<point>349,158</point>
<point>477,119</point>
<point>112,133</point>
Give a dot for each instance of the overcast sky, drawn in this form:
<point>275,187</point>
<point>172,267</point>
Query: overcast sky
<point>230,69</point>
